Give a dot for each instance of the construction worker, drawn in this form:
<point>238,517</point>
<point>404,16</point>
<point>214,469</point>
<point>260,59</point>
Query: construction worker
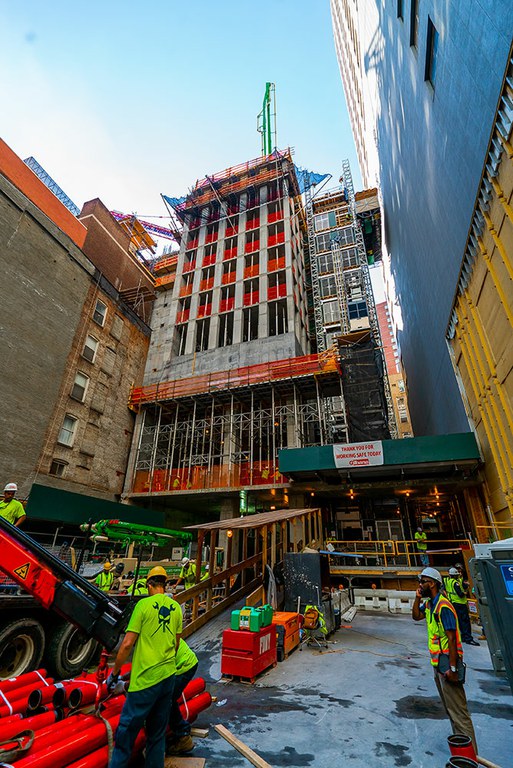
<point>446,651</point>
<point>456,594</point>
<point>138,587</point>
<point>186,666</point>
<point>421,541</point>
<point>206,575</point>
<point>10,508</point>
<point>155,628</point>
<point>105,578</point>
<point>187,574</point>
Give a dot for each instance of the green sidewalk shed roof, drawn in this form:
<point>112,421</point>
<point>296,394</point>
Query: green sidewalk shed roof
<point>54,504</point>
<point>410,454</point>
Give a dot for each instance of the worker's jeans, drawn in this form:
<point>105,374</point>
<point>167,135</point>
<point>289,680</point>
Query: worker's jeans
<point>178,725</point>
<point>455,704</point>
<point>152,705</point>
<point>463,621</point>
<point>424,558</point>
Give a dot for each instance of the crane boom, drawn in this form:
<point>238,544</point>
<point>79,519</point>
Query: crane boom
<point>59,588</point>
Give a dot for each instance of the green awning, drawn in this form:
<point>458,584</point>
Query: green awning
<point>53,504</point>
<point>408,452</point>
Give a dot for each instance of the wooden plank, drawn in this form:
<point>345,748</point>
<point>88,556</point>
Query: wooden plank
<point>200,733</point>
<point>239,745</point>
<point>184,762</point>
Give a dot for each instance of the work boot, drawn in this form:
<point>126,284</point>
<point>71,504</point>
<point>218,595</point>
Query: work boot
<point>473,642</point>
<point>180,747</point>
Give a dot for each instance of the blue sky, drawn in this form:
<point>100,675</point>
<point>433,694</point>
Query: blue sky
<point>125,100</point>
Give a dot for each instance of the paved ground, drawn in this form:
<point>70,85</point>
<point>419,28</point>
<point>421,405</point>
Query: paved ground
<point>369,702</point>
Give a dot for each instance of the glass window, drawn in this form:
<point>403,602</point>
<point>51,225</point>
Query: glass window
<point>181,338</point>
<point>90,348</point>
<point>100,313</point>
<point>67,433</point>
<point>80,387</point>
<point>57,467</point>
<point>357,309</point>
<point>327,286</point>
<point>250,323</point>
<point>321,221</point>
<point>431,52</point>
<point>278,321</point>
<point>414,22</point>
<point>325,263</point>
<point>323,242</point>
<point>331,311</point>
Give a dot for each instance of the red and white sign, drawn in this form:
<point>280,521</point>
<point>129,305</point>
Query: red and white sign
<point>352,455</point>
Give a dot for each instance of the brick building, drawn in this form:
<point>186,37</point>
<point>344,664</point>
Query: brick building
<point>74,338</point>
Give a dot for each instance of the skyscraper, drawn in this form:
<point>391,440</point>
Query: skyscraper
<point>422,80</point>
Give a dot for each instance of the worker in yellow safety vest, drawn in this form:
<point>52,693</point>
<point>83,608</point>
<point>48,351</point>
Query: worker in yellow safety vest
<point>421,541</point>
<point>138,588</point>
<point>105,579</point>
<point>456,594</point>
<point>187,574</point>
<point>445,649</point>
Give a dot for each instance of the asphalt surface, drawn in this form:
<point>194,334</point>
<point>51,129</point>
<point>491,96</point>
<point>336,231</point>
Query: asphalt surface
<point>369,701</point>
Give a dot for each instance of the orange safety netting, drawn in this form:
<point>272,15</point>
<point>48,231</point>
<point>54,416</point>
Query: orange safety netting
<point>198,478</point>
<point>308,365</point>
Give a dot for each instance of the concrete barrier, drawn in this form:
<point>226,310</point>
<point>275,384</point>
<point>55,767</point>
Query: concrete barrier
<point>384,600</point>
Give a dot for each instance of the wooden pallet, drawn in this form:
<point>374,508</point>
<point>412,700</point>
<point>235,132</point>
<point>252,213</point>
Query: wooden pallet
<point>246,680</point>
<point>184,762</point>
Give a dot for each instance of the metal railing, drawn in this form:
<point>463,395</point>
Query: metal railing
<point>391,552</point>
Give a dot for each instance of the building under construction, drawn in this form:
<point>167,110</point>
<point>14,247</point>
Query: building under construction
<point>245,358</point>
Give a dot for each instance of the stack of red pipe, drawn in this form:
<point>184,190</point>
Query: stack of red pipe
<point>67,737</point>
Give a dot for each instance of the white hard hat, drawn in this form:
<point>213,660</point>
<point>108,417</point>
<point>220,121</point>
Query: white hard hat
<point>453,572</point>
<point>207,567</point>
<point>432,573</point>
<point>11,487</point>
<point>185,560</point>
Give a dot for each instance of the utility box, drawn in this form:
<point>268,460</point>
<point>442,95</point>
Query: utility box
<point>492,572</point>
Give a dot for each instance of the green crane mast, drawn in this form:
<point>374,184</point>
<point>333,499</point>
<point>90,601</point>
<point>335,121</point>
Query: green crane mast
<point>266,120</point>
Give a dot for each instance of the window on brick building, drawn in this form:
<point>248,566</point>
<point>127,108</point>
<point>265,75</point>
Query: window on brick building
<point>68,430</point>
<point>100,313</point>
<point>57,467</point>
<point>90,348</point>
<point>80,385</point>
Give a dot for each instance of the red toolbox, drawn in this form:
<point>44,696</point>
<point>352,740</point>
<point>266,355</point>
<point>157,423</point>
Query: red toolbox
<point>246,654</point>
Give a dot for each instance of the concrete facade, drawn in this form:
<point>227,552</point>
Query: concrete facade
<point>233,261</point>
<point>425,121</point>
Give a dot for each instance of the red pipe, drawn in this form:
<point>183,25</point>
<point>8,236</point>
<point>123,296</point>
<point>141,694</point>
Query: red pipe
<point>40,696</point>
<point>22,680</point>
<point>100,758</point>
<point>18,700</point>
<point>97,759</point>
<point>36,723</point>
<point>191,709</point>
<point>84,694</point>
<point>197,685</point>
<point>88,740</point>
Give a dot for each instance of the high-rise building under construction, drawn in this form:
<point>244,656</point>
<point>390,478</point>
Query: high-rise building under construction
<point>238,366</point>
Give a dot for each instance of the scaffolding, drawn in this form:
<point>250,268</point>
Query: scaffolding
<point>344,305</point>
<point>229,437</point>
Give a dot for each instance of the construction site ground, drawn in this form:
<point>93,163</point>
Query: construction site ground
<point>369,701</point>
